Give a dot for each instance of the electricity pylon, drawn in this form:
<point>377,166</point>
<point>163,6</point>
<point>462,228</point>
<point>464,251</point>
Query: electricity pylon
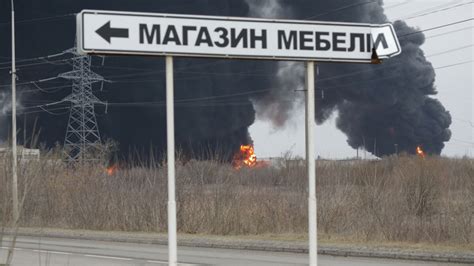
<point>82,141</point>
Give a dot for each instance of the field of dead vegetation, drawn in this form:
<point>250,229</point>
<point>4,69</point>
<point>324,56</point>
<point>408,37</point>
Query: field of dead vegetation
<point>399,199</point>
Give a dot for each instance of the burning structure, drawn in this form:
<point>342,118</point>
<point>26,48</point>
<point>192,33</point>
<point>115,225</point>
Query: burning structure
<point>377,106</point>
<point>245,157</point>
<point>420,152</point>
<point>112,169</point>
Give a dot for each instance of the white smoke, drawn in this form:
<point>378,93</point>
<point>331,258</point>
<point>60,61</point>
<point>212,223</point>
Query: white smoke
<point>5,105</point>
<point>266,8</point>
<point>279,105</point>
<point>5,112</point>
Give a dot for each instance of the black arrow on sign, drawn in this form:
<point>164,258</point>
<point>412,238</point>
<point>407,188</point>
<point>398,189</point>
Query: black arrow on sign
<point>107,32</point>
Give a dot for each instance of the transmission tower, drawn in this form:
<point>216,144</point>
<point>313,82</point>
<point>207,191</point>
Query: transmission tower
<point>82,141</point>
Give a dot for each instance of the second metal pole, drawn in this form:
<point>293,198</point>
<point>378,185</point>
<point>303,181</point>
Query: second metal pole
<point>172,238</point>
<point>16,212</point>
<point>311,164</point>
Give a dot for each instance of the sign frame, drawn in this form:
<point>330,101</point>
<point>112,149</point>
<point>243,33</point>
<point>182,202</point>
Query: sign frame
<point>84,50</point>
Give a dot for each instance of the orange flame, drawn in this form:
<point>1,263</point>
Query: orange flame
<point>420,152</point>
<point>111,170</point>
<point>246,157</point>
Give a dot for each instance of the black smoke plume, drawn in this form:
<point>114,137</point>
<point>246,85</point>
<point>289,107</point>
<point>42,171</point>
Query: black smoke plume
<point>378,108</point>
<point>382,108</point>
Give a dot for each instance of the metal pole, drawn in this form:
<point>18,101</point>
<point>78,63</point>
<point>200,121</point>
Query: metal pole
<point>172,241</point>
<point>16,213</point>
<point>311,164</point>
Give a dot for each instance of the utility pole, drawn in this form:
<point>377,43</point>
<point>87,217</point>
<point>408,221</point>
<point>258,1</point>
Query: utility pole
<point>16,213</point>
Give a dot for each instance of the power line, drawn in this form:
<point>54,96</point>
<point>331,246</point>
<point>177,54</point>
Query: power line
<point>51,113</point>
<point>48,90</point>
<point>188,100</point>
<point>449,32</point>
<point>42,111</point>
<point>397,5</point>
<point>49,19</point>
<point>363,82</point>
<point>466,122</point>
<point>457,144</point>
<point>457,64</point>
<point>396,76</point>
<point>177,70</point>
<point>404,3</point>
<point>437,27</point>
<point>38,64</point>
<point>341,9</point>
<point>30,82</point>
<point>452,50</point>
<point>131,75</point>
<point>180,71</point>
<point>434,8</point>
<point>162,71</point>
<point>43,105</point>
<point>463,141</point>
<point>437,11</point>
<point>198,74</point>
<point>35,58</point>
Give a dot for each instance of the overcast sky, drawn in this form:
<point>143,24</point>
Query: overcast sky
<point>455,86</point>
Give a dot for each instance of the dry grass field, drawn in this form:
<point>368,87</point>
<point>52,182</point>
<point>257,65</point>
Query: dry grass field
<point>397,199</point>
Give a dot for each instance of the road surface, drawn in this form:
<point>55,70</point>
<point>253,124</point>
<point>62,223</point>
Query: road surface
<point>48,251</point>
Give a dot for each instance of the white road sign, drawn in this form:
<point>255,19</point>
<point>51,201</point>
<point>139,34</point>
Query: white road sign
<point>107,32</point>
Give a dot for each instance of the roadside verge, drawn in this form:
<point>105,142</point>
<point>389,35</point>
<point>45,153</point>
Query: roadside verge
<point>255,244</point>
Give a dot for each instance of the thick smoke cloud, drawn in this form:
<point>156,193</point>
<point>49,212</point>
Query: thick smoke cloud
<point>384,106</point>
<point>394,110</point>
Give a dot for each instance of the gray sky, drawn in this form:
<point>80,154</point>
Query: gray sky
<point>455,86</point>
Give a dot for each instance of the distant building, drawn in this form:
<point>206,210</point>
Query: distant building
<point>280,162</point>
<point>24,154</point>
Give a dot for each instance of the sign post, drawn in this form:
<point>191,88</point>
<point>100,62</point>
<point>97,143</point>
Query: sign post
<point>311,163</point>
<point>129,33</point>
<point>172,230</point>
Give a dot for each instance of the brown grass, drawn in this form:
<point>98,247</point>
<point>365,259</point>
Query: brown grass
<point>404,199</point>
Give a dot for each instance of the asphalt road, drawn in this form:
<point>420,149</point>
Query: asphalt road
<point>51,252</point>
